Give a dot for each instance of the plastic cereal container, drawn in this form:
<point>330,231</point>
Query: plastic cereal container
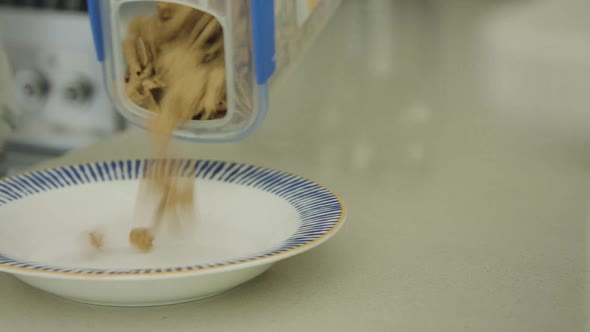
<point>214,60</point>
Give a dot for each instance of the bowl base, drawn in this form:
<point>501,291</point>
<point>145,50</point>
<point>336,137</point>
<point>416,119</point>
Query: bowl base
<point>146,304</point>
<point>145,292</point>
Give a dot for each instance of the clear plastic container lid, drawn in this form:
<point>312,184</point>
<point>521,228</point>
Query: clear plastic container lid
<point>142,38</point>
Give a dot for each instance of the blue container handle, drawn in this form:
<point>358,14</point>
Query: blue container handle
<point>96,25</point>
<point>263,39</point>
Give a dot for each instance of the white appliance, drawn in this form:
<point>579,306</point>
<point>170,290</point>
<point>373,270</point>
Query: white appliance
<point>58,81</point>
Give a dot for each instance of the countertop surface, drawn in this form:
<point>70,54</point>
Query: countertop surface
<point>457,136</point>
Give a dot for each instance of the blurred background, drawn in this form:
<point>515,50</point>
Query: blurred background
<point>526,61</point>
<point>59,84</point>
<point>465,121</point>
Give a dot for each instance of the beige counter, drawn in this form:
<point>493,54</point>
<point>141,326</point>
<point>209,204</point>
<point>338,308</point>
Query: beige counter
<point>468,211</point>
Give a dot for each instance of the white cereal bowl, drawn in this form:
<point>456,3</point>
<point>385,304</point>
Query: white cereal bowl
<point>249,218</point>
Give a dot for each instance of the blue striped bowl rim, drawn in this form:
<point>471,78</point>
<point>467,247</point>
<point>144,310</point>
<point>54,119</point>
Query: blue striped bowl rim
<point>321,211</point>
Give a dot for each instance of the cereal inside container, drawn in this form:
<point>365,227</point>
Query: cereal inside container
<point>213,61</point>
